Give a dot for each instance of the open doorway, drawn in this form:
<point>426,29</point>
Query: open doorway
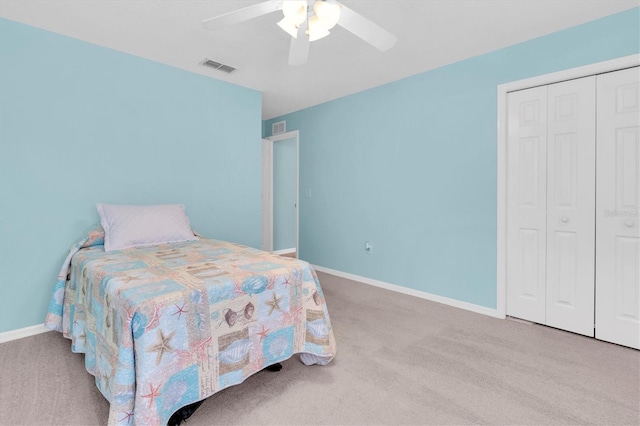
<point>280,189</point>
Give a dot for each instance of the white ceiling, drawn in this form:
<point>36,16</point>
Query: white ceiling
<point>431,33</point>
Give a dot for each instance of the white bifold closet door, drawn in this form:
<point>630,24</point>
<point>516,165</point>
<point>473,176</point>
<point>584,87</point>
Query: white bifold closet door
<point>571,200</point>
<point>618,188</point>
<point>550,205</point>
<point>527,204</point>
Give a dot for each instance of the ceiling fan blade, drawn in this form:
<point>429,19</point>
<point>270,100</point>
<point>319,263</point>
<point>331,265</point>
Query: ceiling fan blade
<point>367,30</point>
<point>241,15</point>
<point>299,50</point>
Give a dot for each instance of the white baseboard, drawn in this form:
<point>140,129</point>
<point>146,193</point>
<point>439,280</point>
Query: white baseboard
<point>8,336</point>
<point>285,251</point>
<point>411,292</point>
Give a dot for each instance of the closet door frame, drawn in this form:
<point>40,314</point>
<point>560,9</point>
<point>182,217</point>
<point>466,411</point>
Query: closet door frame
<point>503,90</point>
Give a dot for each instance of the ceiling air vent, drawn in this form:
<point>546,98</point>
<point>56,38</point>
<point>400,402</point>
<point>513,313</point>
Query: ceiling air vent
<point>218,66</point>
<point>279,127</point>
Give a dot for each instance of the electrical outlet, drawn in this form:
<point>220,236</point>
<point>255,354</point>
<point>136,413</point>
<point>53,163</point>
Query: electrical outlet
<point>368,247</point>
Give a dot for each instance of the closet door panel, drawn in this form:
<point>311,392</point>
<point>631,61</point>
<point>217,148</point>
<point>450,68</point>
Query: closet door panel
<point>618,203</point>
<point>526,203</point>
<point>571,205</point>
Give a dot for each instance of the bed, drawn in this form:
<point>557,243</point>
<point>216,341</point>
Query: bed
<point>167,325</point>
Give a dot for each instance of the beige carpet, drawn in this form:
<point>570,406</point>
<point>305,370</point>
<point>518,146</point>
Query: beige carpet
<point>401,360</point>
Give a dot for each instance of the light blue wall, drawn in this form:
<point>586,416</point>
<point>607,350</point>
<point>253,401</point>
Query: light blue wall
<point>82,124</point>
<point>411,165</point>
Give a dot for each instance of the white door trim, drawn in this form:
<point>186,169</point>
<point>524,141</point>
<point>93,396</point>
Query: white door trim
<point>503,89</point>
<point>267,188</point>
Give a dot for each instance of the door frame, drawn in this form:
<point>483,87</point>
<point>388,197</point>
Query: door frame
<point>267,189</point>
<point>503,90</point>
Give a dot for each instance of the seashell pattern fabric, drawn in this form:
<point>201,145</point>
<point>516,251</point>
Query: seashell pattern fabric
<point>168,325</point>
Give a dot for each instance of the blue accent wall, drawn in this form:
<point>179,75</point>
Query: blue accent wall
<point>411,165</point>
<point>81,124</point>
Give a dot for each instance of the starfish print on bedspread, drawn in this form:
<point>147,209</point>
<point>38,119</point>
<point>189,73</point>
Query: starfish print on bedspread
<point>180,311</point>
<point>262,333</point>
<point>274,303</point>
<point>162,346</point>
<point>127,416</point>
<point>152,394</point>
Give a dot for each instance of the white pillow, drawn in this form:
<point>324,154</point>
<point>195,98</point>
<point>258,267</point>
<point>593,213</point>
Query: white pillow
<point>133,226</point>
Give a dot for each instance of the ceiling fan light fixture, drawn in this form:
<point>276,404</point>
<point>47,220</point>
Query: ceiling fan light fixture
<point>316,30</point>
<point>327,12</point>
<point>313,17</point>
<point>295,11</point>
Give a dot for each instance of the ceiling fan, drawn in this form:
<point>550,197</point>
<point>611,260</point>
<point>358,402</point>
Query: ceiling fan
<point>307,21</point>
